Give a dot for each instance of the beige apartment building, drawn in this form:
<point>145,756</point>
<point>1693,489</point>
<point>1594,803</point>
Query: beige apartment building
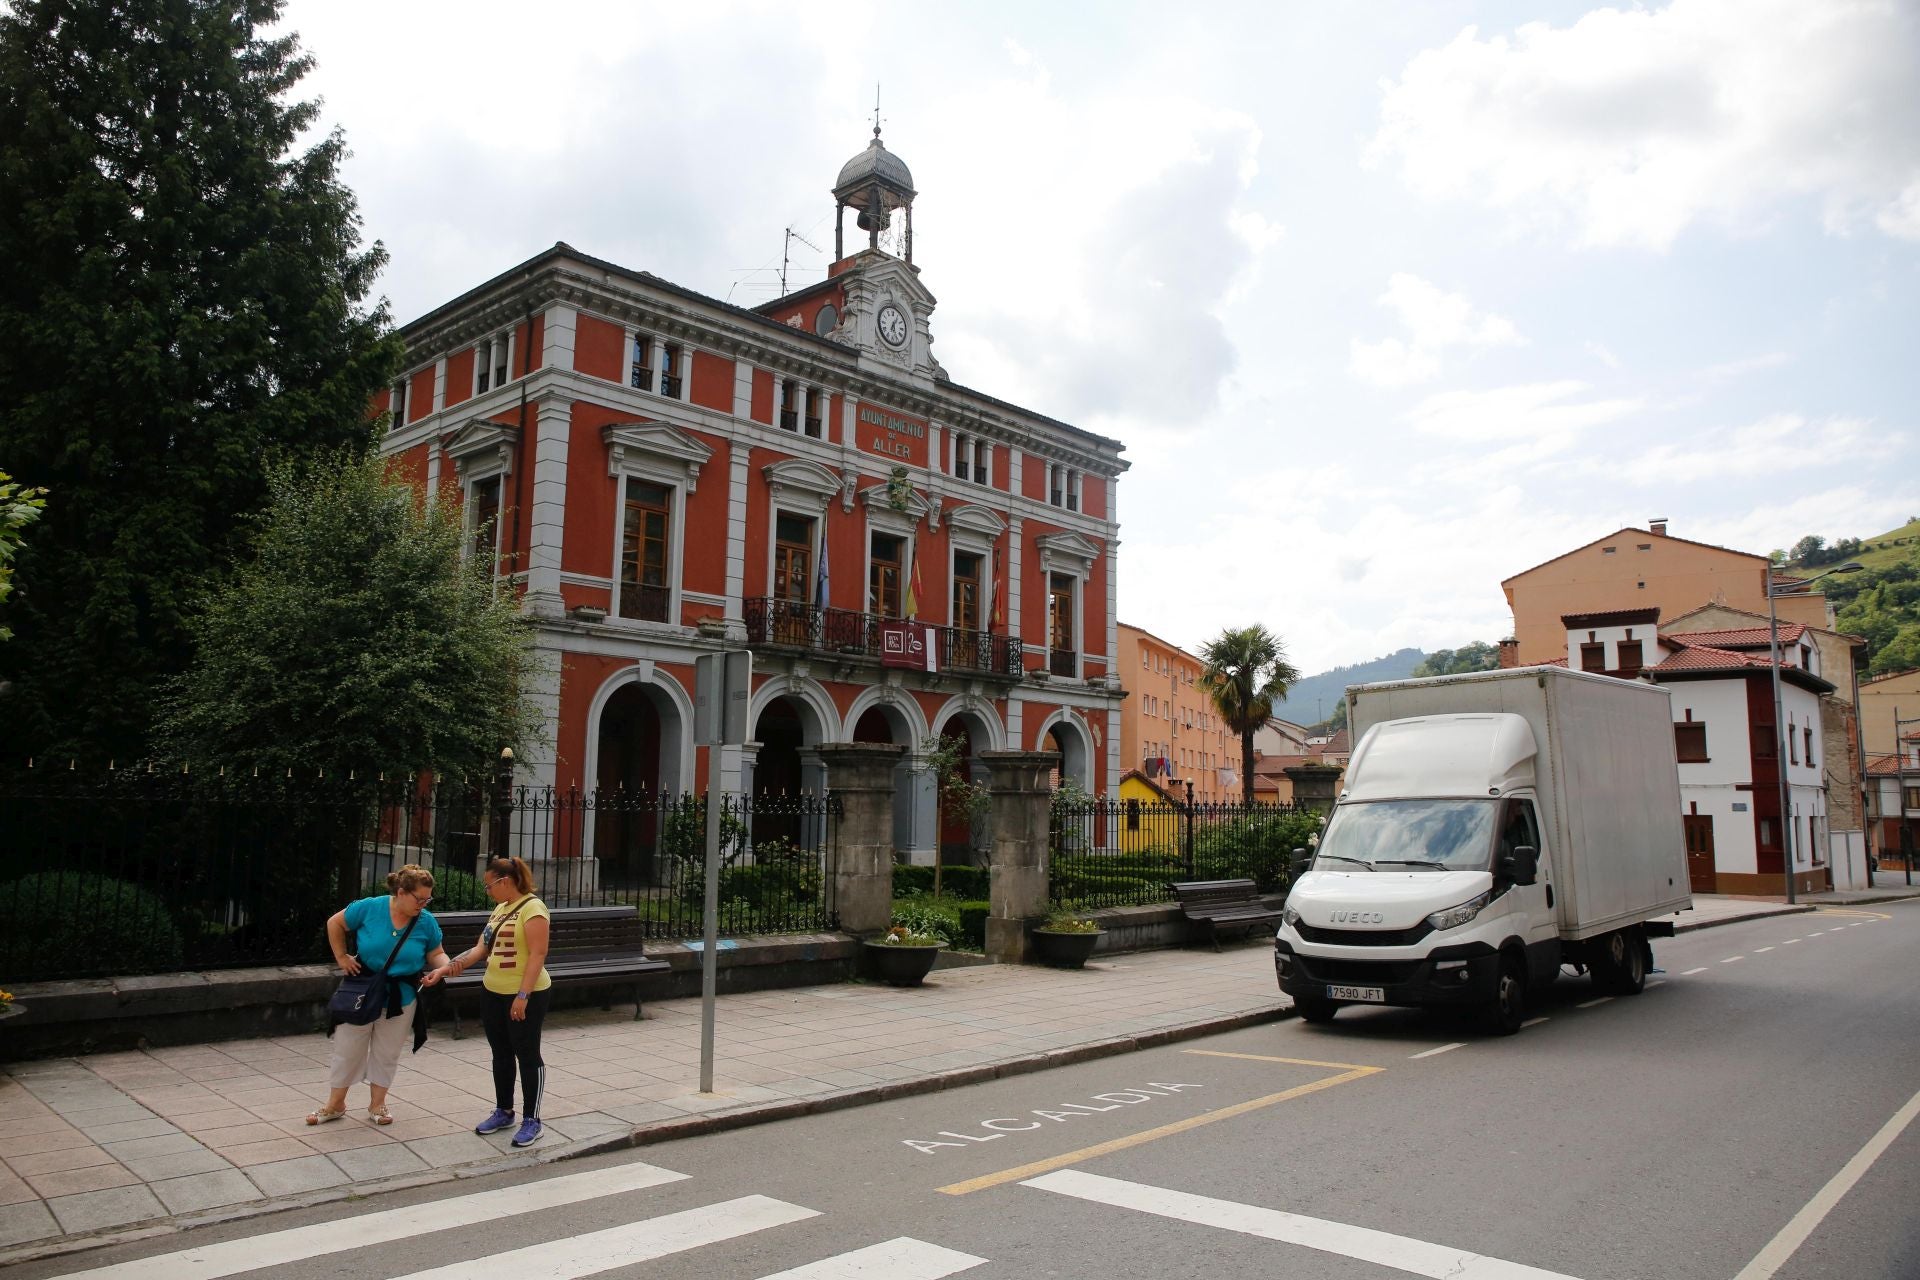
<point>1897,693</point>
<point>1169,729</point>
<point>1640,569</point>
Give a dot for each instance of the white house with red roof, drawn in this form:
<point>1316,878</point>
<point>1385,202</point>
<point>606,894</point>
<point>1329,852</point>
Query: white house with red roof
<point>1726,744</point>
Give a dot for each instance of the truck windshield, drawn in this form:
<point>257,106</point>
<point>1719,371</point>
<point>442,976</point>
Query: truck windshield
<point>1397,835</point>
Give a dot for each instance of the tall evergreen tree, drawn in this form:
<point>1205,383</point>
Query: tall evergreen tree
<point>182,297</point>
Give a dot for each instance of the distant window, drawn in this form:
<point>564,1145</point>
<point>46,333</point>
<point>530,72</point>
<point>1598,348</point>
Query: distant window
<point>1809,740</point>
<point>640,364</point>
<point>824,320</point>
<point>1629,656</point>
<point>1767,839</point>
<point>1607,551</point>
<point>1806,658</point>
<point>1764,747</point>
<point>399,405</point>
<point>1593,657</point>
<point>1913,798</point>
<point>1645,546</point>
<point>1793,748</point>
<point>1690,742</point>
<point>669,380</point>
<point>492,362</point>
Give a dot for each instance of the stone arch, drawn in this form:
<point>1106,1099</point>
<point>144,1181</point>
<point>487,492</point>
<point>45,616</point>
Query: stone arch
<point>655,712</point>
<point>915,803</point>
<point>1068,734</point>
<point>980,716</point>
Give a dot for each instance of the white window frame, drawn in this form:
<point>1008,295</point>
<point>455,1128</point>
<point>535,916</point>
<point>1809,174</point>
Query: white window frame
<point>469,481</point>
<point>479,451</point>
<point>484,346</point>
<point>801,488</point>
<point>633,337</point>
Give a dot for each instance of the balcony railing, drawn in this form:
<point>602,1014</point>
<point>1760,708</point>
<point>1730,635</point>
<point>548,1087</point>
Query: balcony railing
<point>646,604</point>
<point>1063,662</point>
<point>799,625</point>
<point>669,386</point>
<point>642,378</point>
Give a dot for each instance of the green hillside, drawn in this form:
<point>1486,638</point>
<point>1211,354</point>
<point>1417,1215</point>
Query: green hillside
<point>1314,698</point>
<point>1896,546</point>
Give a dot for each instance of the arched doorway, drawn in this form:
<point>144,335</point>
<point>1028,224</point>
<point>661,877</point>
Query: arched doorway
<point>1076,753</point>
<point>636,764</point>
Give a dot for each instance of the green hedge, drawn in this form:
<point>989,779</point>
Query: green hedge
<point>960,922</point>
<point>76,922</point>
<point>955,881</point>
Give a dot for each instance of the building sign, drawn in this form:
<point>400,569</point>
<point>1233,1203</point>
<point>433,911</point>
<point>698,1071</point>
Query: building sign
<point>906,644</point>
<point>891,435</point>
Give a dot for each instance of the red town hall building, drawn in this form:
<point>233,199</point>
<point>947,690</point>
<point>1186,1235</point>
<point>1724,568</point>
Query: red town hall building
<point>662,474</point>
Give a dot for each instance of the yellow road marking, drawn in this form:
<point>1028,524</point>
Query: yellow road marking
<point>1350,1072</point>
<point>1292,1062</point>
<point>1851,911</point>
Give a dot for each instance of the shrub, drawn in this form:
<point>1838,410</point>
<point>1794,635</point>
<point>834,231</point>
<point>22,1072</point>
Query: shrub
<point>973,923</point>
<point>60,922</point>
<point>455,890</point>
<point>764,887</point>
<point>939,917</point>
<point>960,881</point>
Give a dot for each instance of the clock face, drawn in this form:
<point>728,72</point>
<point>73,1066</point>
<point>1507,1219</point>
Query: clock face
<point>893,326</point>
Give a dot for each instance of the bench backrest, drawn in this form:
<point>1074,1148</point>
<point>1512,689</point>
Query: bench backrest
<point>1201,893</point>
<point>577,931</point>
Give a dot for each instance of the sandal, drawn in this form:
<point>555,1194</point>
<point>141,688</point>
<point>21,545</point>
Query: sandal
<point>321,1115</point>
<point>379,1115</point>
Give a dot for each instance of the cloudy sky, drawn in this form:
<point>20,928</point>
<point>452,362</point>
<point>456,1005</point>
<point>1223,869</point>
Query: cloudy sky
<point>1388,301</point>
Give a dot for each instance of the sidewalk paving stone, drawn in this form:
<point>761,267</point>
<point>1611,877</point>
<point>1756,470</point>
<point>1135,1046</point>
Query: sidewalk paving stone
<point>291,1177</point>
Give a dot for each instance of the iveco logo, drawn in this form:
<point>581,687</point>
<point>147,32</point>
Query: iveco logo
<point>1359,917</point>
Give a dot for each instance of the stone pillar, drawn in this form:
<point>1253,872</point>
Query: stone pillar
<point>861,775</point>
<point>916,810</point>
<point>552,429</point>
<point>1017,886</point>
<point>1315,786</point>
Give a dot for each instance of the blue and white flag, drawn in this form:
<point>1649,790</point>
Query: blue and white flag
<point>821,586</point>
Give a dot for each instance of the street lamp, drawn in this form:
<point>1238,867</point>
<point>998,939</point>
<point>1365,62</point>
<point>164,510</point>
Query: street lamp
<point>1779,717</point>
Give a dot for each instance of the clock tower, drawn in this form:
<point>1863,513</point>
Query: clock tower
<point>886,305</point>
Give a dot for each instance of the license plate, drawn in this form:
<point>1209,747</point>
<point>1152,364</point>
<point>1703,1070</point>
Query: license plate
<point>1370,995</point>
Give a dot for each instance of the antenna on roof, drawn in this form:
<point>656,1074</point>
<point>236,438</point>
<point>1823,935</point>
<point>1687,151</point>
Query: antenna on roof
<point>876,108</point>
<point>786,245</point>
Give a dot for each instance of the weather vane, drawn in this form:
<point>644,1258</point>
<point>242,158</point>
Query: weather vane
<point>876,108</point>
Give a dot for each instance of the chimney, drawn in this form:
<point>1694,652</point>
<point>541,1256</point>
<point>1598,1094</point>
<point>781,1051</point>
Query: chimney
<point>1658,526</point>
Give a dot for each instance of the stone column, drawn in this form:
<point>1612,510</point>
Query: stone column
<point>861,775</point>
<point>552,429</point>
<point>1017,886</point>
<point>1315,786</point>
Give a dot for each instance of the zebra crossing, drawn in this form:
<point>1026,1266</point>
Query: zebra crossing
<point>649,1238</point>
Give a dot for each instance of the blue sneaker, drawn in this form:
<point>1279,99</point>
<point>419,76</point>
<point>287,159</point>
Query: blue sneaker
<point>494,1123</point>
<point>529,1133</point>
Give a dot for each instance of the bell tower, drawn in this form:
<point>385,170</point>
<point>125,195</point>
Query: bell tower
<point>875,183</point>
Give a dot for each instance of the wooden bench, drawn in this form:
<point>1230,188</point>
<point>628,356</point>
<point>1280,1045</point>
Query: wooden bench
<point>588,946</point>
<point>1228,903</point>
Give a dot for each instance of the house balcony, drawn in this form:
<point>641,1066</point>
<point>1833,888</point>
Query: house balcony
<point>796,625</point>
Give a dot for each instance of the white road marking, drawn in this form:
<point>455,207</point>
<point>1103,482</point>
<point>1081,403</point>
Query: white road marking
<point>278,1248</point>
<point>1590,1003</point>
<point>1795,1233</point>
<point>1689,973</point>
<point>1533,1022</point>
<point>1733,959</point>
<point>597,1251</point>
<point>1442,1049</point>
<point>901,1259</point>
<point>1399,1252</point>
<point>1656,982</point>
<point>1789,942</point>
<point>1761,950</point>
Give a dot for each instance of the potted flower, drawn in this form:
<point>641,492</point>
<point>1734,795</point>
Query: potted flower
<point>901,958</point>
<point>7,1006</point>
<point>1066,939</point>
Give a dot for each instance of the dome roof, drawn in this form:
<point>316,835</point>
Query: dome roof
<point>875,162</point>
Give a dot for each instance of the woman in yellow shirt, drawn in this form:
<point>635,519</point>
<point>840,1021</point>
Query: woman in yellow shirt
<point>514,945</point>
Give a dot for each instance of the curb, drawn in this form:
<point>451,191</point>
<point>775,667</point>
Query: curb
<point>660,1131</point>
<point>1694,926</point>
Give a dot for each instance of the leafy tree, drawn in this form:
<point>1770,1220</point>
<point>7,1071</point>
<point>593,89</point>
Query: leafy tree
<point>360,636</point>
<point>182,297</point>
<point>1478,656</point>
<point>19,507</point>
<point>1245,672</point>
<point>1883,607</point>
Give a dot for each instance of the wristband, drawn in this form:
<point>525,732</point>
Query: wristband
<point>521,995</point>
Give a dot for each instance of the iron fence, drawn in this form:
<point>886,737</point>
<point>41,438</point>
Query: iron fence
<point>1109,851</point>
<point>138,872</point>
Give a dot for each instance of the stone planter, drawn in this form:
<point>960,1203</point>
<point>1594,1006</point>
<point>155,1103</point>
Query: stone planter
<point>1063,949</point>
<point>899,966</point>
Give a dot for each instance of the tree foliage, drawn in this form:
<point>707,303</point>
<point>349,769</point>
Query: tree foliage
<point>19,507</point>
<point>1245,672</point>
<point>359,636</point>
<point>1478,656</point>
<point>182,297</point>
<point>1882,606</point>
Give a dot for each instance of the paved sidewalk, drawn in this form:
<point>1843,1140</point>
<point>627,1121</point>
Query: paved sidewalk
<point>168,1137</point>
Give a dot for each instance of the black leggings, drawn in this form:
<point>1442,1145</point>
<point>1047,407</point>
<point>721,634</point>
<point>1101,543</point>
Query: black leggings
<point>516,1043</point>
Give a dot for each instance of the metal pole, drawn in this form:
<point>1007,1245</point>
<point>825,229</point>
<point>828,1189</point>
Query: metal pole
<point>1780,736</point>
<point>710,927</point>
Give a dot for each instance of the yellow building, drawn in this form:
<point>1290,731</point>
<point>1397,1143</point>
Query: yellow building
<point>1640,569</point>
<point>1169,729</point>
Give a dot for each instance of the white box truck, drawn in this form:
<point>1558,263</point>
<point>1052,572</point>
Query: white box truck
<point>1490,828</point>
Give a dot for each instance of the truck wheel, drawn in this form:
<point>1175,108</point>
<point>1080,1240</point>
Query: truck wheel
<point>1509,1008</point>
<point>1314,1010</point>
<point>1621,966</point>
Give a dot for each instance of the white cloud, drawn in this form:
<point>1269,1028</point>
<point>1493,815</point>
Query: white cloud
<point>1435,321</point>
<point>1633,125</point>
<point>1782,444</point>
<point>1538,413</point>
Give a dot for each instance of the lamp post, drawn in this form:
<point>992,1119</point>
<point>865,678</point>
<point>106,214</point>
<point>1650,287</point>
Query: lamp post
<point>1779,717</point>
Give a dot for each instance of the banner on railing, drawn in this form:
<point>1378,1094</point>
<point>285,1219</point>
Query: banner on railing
<point>907,644</point>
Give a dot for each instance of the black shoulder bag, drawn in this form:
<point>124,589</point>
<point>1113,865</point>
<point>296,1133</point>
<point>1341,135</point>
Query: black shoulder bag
<point>362,997</point>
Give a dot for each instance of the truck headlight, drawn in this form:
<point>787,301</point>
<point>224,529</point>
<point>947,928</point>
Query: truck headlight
<point>1288,916</point>
<point>1454,917</point>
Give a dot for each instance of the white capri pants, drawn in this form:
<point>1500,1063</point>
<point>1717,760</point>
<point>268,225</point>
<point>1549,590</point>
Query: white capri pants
<point>371,1052</point>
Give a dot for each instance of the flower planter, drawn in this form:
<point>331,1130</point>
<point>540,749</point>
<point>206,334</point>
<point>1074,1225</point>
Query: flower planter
<point>1064,949</point>
<point>899,966</point>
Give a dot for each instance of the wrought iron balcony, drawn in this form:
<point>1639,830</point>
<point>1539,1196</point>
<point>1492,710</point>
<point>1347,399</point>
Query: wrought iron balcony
<point>795,624</point>
<point>1063,662</point>
<point>669,386</point>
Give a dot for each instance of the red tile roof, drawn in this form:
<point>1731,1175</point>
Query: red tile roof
<point>1700,657</point>
<point>1887,766</point>
<point>1744,637</point>
<point>1611,617</point>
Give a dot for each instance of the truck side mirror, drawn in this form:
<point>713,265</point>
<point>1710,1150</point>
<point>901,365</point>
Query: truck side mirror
<point>1301,861</point>
<point>1522,866</point>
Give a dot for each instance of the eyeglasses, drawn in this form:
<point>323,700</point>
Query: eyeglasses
<point>423,900</point>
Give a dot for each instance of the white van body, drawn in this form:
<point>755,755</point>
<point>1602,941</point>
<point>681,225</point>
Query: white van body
<point>1416,895</point>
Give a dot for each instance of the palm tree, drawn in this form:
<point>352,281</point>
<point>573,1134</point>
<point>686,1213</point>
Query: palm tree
<point>1246,673</point>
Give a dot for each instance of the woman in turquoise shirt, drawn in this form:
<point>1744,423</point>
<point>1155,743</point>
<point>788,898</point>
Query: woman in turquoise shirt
<point>372,1052</point>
